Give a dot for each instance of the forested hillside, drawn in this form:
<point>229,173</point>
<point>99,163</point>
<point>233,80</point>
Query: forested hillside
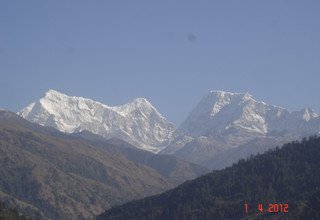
<point>10,214</point>
<point>62,176</point>
<point>280,184</point>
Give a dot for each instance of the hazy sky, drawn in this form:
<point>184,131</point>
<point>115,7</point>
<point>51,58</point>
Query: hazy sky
<point>171,52</point>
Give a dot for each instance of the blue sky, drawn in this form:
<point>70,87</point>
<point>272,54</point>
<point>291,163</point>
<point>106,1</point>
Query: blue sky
<point>171,52</point>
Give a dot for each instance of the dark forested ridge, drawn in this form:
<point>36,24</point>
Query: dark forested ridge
<point>10,214</point>
<point>289,175</point>
<point>47,173</point>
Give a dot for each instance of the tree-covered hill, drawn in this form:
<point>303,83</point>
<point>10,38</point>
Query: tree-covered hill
<point>280,184</point>
<point>63,176</point>
<point>10,214</point>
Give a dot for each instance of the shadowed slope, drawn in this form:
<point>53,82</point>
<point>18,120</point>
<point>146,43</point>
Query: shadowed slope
<point>289,175</point>
<point>66,176</point>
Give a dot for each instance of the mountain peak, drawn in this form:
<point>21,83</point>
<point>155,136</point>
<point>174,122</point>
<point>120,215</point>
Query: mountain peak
<point>223,121</point>
<point>137,122</point>
<point>141,102</point>
<point>224,94</point>
<point>216,100</point>
<point>227,112</point>
<point>54,93</point>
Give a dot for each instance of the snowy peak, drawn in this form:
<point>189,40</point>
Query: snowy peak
<point>141,104</point>
<point>224,120</point>
<point>237,116</point>
<point>137,122</point>
<point>54,94</point>
<point>220,99</point>
<point>221,112</point>
<point>309,114</point>
<point>224,94</point>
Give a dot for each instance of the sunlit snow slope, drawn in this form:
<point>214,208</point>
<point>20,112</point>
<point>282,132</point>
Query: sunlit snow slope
<point>137,122</point>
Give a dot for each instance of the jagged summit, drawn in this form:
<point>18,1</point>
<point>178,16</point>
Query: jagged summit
<point>137,122</point>
<point>224,120</point>
<point>224,93</point>
<point>141,101</point>
<point>217,100</point>
<point>55,96</point>
<point>137,104</point>
<point>52,92</point>
<point>221,119</point>
<point>220,112</point>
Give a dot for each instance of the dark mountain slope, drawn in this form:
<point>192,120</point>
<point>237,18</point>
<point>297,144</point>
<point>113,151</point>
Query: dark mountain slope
<point>290,175</point>
<point>10,214</point>
<point>68,177</point>
<point>169,166</point>
<point>177,170</point>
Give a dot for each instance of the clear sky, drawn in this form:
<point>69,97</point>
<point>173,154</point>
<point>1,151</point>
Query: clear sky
<point>171,52</point>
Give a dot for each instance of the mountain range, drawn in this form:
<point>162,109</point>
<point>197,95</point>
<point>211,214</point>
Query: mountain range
<point>223,128</point>
<point>138,122</point>
<point>66,157</point>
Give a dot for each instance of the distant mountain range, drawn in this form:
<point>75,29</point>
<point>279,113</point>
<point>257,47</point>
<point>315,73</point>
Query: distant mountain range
<point>49,174</point>
<point>223,128</point>
<point>138,122</point>
<point>74,157</point>
<point>281,184</point>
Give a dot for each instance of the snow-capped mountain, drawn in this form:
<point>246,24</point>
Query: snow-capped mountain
<point>224,120</point>
<point>137,122</point>
<point>225,112</point>
<point>223,127</point>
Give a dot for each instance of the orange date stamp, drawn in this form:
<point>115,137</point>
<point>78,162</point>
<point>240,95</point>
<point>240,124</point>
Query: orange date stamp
<point>269,208</point>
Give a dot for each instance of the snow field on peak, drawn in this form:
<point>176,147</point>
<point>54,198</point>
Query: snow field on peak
<point>137,122</point>
<point>231,117</point>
